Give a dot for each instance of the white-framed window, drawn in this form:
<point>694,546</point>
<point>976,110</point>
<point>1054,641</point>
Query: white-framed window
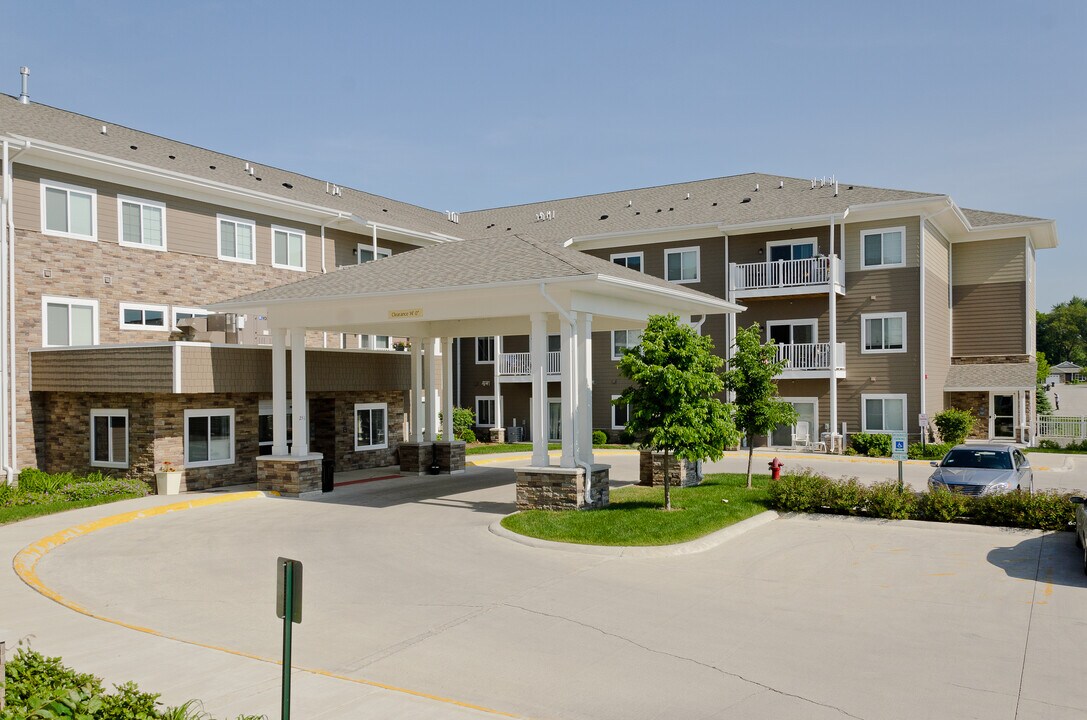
<point>382,342</point>
<point>69,321</point>
<point>484,350</point>
<point>621,339</point>
<point>184,313</point>
<point>209,437</point>
<point>69,210</point>
<point>883,332</point>
<point>237,239</point>
<point>135,316</point>
<point>109,438</point>
<point>632,260</point>
<point>365,253</point>
<point>288,248</point>
<point>883,248</point>
<point>883,413</point>
<point>619,415</point>
<point>265,434</point>
<point>793,332</point>
<point>485,411</point>
<point>791,249</point>
<point>370,426</point>
<point>141,223</point>
<point>681,265</point>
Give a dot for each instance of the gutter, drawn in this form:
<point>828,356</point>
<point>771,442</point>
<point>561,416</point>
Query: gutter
<point>12,457</point>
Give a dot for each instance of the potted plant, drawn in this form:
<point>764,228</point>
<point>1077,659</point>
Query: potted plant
<point>168,479</point>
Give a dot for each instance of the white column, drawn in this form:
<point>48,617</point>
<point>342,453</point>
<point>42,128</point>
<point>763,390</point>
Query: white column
<point>416,389</point>
<point>499,411</point>
<point>568,368</point>
<point>832,321</point>
<point>300,422</point>
<point>432,389</point>
<point>585,385</point>
<point>537,347</point>
<point>279,391</point>
<point>447,389</point>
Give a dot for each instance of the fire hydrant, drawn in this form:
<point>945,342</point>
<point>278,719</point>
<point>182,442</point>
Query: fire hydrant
<point>775,469</point>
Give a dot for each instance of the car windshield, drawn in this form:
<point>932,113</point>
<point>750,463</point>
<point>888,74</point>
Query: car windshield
<point>986,459</point>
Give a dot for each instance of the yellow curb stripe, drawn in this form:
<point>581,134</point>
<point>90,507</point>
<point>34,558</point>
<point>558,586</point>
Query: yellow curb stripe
<point>26,561</point>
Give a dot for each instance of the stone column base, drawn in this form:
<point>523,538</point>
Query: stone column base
<point>497,434</point>
<point>450,456</point>
<point>682,473</point>
<point>290,476</point>
<point>557,488</point>
<point>415,458</point>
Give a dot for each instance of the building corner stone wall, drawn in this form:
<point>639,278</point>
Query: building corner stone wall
<point>555,488</point>
<point>681,472</point>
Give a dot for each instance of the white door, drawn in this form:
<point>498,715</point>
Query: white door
<point>554,420</point>
<point>1002,417</point>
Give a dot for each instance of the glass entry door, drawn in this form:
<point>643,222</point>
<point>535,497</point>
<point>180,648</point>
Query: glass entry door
<point>785,435</point>
<point>1002,417</point>
<point>554,420</point>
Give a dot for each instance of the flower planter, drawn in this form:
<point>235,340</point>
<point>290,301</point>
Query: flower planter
<point>169,483</point>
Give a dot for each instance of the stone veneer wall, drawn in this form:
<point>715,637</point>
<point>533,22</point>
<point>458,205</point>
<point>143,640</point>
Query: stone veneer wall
<point>561,488</point>
<point>681,472</point>
<point>451,456</point>
<point>415,458</point>
<point>347,458</point>
<point>977,402</point>
<point>990,359</point>
<point>288,477</point>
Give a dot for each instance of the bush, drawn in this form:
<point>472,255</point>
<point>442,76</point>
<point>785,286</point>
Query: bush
<point>599,437</point>
<point>886,500</point>
<point>468,435</point>
<point>35,480</point>
<point>1049,445</point>
<point>107,487</point>
<point>872,445</point>
<point>930,451</point>
<point>942,506</point>
<point>803,491</point>
<point>954,425</point>
<point>627,437</point>
<point>1043,510</point>
<point>844,497</point>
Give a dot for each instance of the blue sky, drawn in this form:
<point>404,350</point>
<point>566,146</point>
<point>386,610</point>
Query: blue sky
<point>480,104</point>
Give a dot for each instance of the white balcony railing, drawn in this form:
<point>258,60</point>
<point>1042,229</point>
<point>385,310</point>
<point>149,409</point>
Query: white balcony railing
<point>1065,427</point>
<point>787,274</point>
<point>520,364</point>
<point>811,356</point>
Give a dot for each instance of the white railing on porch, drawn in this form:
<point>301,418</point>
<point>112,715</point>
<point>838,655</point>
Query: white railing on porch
<point>785,273</point>
<point>811,356</point>
<point>521,363</point>
<point>1068,427</point>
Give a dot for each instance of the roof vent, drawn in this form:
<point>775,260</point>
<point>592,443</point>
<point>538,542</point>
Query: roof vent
<point>24,96</point>
<point>104,130</point>
<point>756,187</point>
<point>781,184</point>
<point>630,203</point>
<point>333,189</point>
<point>288,186</point>
<point>211,167</point>
<point>745,200</point>
<point>688,197</point>
<point>714,205</point>
<point>603,217</point>
<point>172,157</point>
<point>452,216</point>
<point>133,147</point>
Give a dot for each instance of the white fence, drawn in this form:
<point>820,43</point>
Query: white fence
<point>811,356</point>
<point>521,363</point>
<point>785,273</point>
<point>1064,427</point>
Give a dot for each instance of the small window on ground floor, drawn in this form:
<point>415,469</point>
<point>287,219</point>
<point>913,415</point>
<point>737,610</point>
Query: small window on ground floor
<point>209,437</point>
<point>69,321</point>
<point>883,413</point>
<point>620,414</point>
<point>264,425</point>
<point>371,421</point>
<point>109,438</point>
<point>143,317</point>
<point>485,411</point>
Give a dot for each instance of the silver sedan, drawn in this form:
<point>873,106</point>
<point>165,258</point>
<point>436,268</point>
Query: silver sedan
<point>982,470</point>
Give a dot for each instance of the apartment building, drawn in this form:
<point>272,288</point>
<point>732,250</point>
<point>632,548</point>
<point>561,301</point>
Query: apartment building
<point>887,305</point>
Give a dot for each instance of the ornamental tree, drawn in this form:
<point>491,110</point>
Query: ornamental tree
<point>673,397</point>
<point>750,376</point>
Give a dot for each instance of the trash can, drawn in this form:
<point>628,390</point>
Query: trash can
<point>328,475</point>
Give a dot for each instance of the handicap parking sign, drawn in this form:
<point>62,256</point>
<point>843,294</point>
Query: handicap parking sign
<point>898,446</point>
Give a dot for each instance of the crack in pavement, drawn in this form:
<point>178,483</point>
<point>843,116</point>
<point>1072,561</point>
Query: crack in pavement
<point>1030,619</point>
<point>706,665</point>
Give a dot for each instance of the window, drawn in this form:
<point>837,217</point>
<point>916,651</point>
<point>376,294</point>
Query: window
<point>621,339</point>
<point>366,253</point>
<point>288,248</point>
<point>633,260</point>
<point>883,248</point>
<point>883,413</point>
<point>68,210</point>
<point>681,265</point>
<point>883,333</point>
<point>69,321</point>
<point>484,349</point>
<point>619,415</point>
<point>370,426</point>
<point>109,438</point>
<point>485,411</point>
<point>790,249</point>
<point>209,437</point>
<point>142,223</point>
<point>143,317</point>
<point>264,425</point>
<point>236,239</point>
<point>792,332</point>
<point>381,342</point>
<point>184,313</point>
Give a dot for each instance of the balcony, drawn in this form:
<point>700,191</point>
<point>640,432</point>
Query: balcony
<point>778,278</point>
<point>518,366</point>
<point>811,360</point>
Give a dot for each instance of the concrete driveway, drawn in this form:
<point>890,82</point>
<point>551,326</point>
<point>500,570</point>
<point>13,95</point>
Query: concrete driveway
<point>413,609</point>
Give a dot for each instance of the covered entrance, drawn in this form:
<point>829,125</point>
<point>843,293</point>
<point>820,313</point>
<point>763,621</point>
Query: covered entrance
<point>1001,396</point>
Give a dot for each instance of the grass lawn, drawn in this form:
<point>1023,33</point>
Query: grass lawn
<point>22,512</point>
<point>492,448</point>
<point>635,515</point>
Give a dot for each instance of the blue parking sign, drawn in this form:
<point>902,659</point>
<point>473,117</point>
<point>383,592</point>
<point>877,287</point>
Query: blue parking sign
<point>898,446</point>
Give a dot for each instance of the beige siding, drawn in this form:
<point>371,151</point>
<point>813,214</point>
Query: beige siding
<point>1032,300</point>
<point>752,248</point>
<point>112,370</point>
<point>853,254</point>
<point>937,319</point>
<point>989,261</point>
<point>989,319</point>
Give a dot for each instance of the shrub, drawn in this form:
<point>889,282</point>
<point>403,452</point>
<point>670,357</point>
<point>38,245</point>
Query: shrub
<point>627,437</point>
<point>802,491</point>
<point>844,497</point>
<point>468,435</point>
<point>108,487</point>
<point>1043,510</point>
<point>871,444</point>
<point>35,480</point>
<point>599,437</point>
<point>954,425</point>
<point>943,506</point>
<point>1049,445</point>
<point>886,500</point>
<point>930,451</point>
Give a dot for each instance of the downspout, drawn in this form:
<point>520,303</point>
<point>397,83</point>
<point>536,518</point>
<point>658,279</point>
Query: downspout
<point>8,469</point>
<point>832,323</point>
<point>456,355</point>
<point>568,318</point>
<point>9,165</point>
<point>324,268</point>
<point>921,340</point>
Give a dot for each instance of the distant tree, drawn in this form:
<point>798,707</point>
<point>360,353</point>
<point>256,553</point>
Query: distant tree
<point>1062,332</point>
<point>673,396</point>
<point>1042,377</point>
<point>750,375</point>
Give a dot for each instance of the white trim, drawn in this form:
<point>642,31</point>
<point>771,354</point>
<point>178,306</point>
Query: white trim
<point>627,255</point>
<point>69,301</point>
<point>813,241</point>
<point>865,317</point>
<point>121,200</point>
<point>1016,414</point>
<point>209,413</point>
<point>619,356</point>
<point>882,231</point>
<point>101,412</point>
<point>369,247</point>
<point>220,218</point>
<point>384,407</point>
<point>144,308</point>
<point>883,396</point>
<point>494,406</point>
<point>288,231</point>
<point>697,264</point>
<point>615,425</point>
<point>195,312</point>
<point>814,430</point>
<point>814,322</point>
<point>68,189</point>
<point>494,346</point>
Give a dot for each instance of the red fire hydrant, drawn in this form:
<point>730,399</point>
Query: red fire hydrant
<point>775,469</point>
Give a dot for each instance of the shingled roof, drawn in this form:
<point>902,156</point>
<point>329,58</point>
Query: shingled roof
<point>1006,376</point>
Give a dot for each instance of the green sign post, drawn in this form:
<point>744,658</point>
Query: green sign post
<point>899,451</point>
<point>288,607</point>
